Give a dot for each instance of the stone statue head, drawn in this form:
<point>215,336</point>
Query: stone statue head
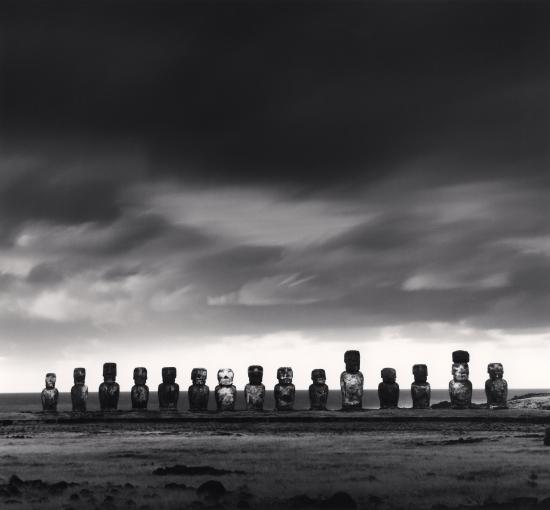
<point>169,375</point>
<point>420,373</point>
<point>285,375</point>
<point>318,376</point>
<point>388,375</point>
<point>79,375</point>
<point>461,357</point>
<point>495,370</point>
<point>352,359</point>
<point>198,376</point>
<point>109,372</point>
<point>225,376</point>
<point>255,374</point>
<point>460,372</point>
<point>50,380</point>
<point>140,375</point>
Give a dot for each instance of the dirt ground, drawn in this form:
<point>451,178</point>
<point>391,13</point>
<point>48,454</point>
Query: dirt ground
<point>355,464</point>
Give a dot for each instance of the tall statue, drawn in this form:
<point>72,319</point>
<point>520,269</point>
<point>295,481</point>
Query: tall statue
<point>460,388</point>
<point>140,391</point>
<point>351,382</point>
<point>496,388</point>
<point>225,392</point>
<point>318,391</point>
<point>79,392</point>
<point>254,391</point>
<point>169,390</point>
<point>388,389</point>
<point>198,392</point>
<point>109,390</point>
<point>420,388</point>
<point>285,391</point>
<point>50,394</point>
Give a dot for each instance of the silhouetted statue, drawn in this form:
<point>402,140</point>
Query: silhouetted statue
<point>420,388</point>
<point>79,392</point>
<point>351,382</point>
<point>318,391</point>
<point>460,388</point>
<point>254,391</point>
<point>169,390</point>
<point>109,390</point>
<point>50,395</point>
<point>198,392</point>
<point>285,391</point>
<point>140,391</point>
<point>388,389</point>
<point>225,392</point>
<point>496,388</point>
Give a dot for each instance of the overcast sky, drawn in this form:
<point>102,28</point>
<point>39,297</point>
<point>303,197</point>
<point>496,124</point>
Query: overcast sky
<point>224,184</point>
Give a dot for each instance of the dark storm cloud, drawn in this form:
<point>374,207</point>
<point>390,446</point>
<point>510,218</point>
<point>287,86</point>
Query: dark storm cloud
<point>301,94</point>
<point>237,168</point>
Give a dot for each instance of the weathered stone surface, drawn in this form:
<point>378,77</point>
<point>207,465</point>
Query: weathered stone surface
<point>168,390</point>
<point>460,388</point>
<point>351,382</point>
<point>198,392</point>
<point>109,390</point>
<point>388,389</point>
<point>254,391</point>
<point>140,391</point>
<point>225,392</point>
<point>420,388</point>
<point>285,391</point>
<point>50,394</point>
<point>496,388</point>
<point>318,391</point>
<point>79,392</point>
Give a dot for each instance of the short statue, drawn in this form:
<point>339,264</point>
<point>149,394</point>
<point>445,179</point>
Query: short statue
<point>169,390</point>
<point>254,391</point>
<point>225,392</point>
<point>140,391</point>
<point>79,392</point>
<point>50,394</point>
<point>388,389</point>
<point>351,382</point>
<point>496,388</point>
<point>109,390</point>
<point>198,392</point>
<point>285,391</point>
<point>318,391</point>
<point>460,388</point>
<point>420,388</point>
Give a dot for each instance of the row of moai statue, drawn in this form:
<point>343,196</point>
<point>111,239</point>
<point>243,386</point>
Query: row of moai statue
<point>351,383</point>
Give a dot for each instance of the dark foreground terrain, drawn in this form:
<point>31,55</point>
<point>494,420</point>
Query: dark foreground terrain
<point>367,460</point>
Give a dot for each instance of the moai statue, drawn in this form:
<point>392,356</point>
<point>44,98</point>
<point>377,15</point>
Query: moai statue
<point>420,388</point>
<point>50,394</point>
<point>351,382</point>
<point>496,388</point>
<point>388,389</point>
<point>460,388</point>
<point>254,391</point>
<point>140,391</point>
<point>226,393</point>
<point>169,390</point>
<point>198,392</point>
<point>285,391</point>
<point>109,390</point>
<point>318,391</point>
<point>79,392</point>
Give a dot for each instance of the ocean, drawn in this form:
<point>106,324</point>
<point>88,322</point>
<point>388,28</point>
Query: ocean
<point>16,402</point>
